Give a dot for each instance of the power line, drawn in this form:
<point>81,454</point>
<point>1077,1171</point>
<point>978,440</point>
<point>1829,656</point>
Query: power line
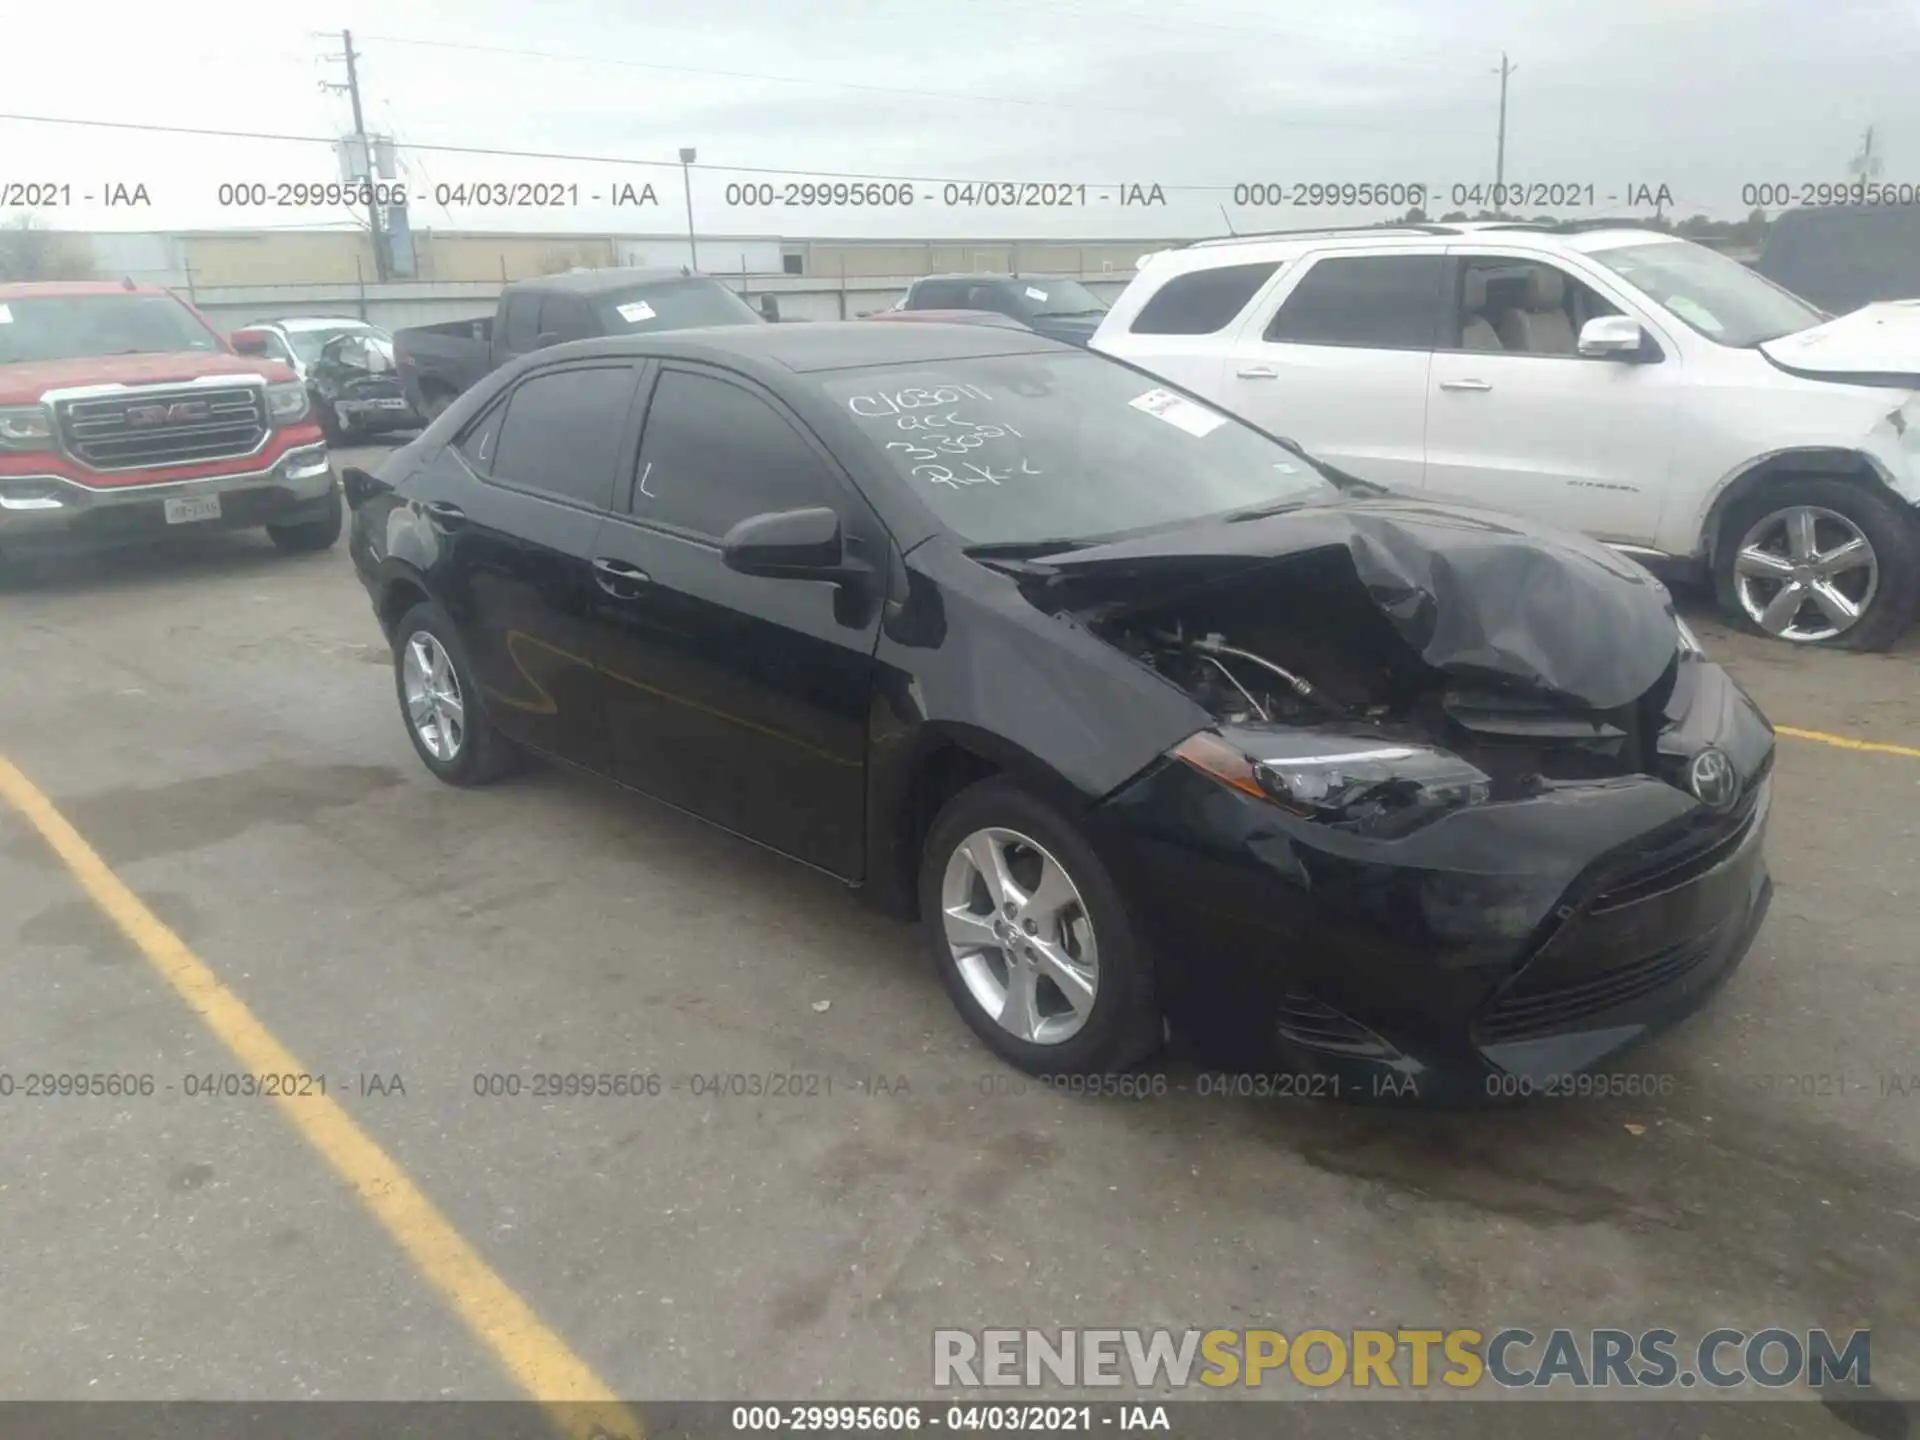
<point>776,170</point>
<point>915,93</point>
<point>808,172</point>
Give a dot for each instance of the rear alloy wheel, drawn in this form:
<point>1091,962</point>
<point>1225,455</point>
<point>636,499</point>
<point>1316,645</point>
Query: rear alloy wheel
<point>449,730</point>
<point>1820,562</point>
<point>1031,937</point>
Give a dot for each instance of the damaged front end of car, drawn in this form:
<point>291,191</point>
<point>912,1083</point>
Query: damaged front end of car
<point>1473,807</point>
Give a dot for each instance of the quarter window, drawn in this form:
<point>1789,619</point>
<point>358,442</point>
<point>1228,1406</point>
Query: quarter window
<point>1201,302</point>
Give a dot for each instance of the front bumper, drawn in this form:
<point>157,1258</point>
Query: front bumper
<point>1498,952</point>
<point>47,515</point>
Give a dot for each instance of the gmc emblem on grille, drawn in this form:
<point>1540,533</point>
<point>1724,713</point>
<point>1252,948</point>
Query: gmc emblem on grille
<point>174,414</point>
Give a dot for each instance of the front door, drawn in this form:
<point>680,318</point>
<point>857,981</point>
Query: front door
<point>1518,420</point>
<point>741,699</point>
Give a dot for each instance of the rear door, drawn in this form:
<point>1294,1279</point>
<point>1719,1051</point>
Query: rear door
<point>1334,354</point>
<point>1185,328</point>
<point>741,699</point>
<point>533,478</point>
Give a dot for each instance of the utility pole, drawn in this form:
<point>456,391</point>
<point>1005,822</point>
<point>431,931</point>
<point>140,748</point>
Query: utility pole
<point>1865,165</point>
<point>1500,153</point>
<point>352,87</point>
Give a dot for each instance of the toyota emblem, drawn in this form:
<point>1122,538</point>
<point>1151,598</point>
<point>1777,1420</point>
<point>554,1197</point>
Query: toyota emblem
<point>1712,779</point>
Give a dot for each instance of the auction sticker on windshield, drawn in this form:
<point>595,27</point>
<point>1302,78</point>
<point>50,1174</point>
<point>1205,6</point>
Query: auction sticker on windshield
<point>6,316</point>
<point>1033,294</point>
<point>634,311</point>
<point>1180,411</point>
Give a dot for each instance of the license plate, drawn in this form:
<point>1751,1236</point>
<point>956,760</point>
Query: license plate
<point>199,507</point>
<point>392,404</point>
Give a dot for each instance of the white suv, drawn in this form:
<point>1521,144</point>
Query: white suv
<point>1623,382</point>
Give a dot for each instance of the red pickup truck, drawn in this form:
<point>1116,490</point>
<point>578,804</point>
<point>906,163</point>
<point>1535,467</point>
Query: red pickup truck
<point>125,417</point>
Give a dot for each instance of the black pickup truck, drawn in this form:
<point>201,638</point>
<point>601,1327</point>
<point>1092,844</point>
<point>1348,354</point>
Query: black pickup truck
<point>1058,308</point>
<point>437,362</point>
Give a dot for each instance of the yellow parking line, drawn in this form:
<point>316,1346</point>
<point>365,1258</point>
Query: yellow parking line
<point>1875,746</point>
<point>580,1402</point>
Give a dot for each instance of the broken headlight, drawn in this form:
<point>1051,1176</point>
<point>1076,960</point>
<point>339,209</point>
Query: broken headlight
<point>1379,787</point>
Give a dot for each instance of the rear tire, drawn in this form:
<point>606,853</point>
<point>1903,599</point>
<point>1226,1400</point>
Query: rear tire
<point>1817,515</point>
<point>310,535</point>
<point>1082,937</point>
<point>427,654</point>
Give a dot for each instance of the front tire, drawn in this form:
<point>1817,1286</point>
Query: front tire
<point>440,703</point>
<point>1032,938</point>
<point>1820,561</point>
<point>310,535</point>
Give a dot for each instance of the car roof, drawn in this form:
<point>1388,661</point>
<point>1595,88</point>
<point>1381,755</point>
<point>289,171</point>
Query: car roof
<point>317,322</point>
<point>979,277</point>
<point>824,345</point>
<point>1547,239</point>
<point>947,317</point>
<point>600,282</point>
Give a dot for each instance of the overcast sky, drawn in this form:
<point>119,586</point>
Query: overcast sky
<point>1700,95</point>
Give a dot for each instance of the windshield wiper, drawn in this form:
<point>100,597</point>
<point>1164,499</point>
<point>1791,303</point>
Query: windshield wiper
<point>1064,314</point>
<point>1022,549</point>
<point>1261,512</point>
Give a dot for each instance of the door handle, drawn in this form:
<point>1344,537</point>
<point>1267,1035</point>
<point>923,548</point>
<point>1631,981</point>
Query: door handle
<point>1465,385</point>
<point>618,578</point>
<point>1257,372</point>
<point>445,516</point>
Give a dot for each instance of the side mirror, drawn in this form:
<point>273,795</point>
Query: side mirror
<point>770,309</point>
<point>249,342</point>
<point>789,545</point>
<point>544,339</point>
<point>1612,337</point>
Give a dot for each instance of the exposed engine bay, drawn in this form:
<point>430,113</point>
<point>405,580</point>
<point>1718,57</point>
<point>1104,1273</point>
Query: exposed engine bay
<point>1300,644</point>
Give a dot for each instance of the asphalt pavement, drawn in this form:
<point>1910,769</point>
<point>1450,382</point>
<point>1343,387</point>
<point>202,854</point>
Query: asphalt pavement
<point>217,724</point>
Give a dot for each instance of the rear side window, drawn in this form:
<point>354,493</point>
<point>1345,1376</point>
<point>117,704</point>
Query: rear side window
<point>1201,302</point>
<point>562,433</point>
<point>1378,302</point>
<point>566,317</point>
<point>713,454</point>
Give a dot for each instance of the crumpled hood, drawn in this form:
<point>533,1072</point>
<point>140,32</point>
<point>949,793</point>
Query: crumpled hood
<point>1474,593</point>
<point>1877,344</point>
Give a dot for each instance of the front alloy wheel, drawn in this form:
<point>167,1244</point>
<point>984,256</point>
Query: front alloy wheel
<point>1031,936</point>
<point>435,709</point>
<point>1805,573</point>
<point>1020,936</point>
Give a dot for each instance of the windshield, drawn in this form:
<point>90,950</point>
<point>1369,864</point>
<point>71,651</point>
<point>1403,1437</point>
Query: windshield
<point>685,305</point>
<point>308,344</point>
<point>1720,298</point>
<point>1010,449</point>
<point>66,327</point>
<point>1058,297</point>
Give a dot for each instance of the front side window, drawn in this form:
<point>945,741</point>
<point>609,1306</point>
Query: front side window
<point>1012,449</point>
<point>1374,302</point>
<point>562,433</point>
<point>1717,297</point>
<point>714,454</point>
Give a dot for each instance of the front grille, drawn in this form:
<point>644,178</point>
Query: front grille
<point>1314,1025</point>
<point>1540,1006</point>
<point>144,429</point>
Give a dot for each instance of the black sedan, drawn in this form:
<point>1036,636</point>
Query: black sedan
<point>1147,718</point>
